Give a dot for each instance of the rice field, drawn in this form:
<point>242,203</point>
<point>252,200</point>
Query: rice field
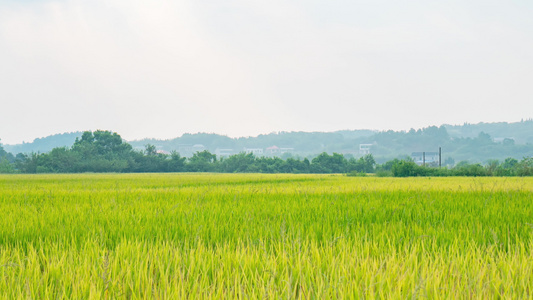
<point>247,236</point>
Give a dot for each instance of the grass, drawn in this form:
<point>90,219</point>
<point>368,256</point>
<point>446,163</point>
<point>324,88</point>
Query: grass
<point>168,236</point>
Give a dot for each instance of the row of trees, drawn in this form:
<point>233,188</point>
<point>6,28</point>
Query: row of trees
<point>509,167</point>
<point>104,151</point>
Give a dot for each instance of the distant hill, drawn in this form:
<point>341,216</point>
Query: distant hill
<point>520,132</point>
<point>303,143</point>
<point>45,144</point>
<point>473,142</point>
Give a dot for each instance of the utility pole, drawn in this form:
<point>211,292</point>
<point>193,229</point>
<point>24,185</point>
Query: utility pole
<point>424,159</point>
<point>440,157</point>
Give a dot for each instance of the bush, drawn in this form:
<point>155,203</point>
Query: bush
<point>473,170</point>
<point>41,169</point>
<point>357,174</point>
<point>384,173</point>
<point>404,168</point>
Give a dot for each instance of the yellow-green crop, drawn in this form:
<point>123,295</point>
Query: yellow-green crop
<point>172,236</point>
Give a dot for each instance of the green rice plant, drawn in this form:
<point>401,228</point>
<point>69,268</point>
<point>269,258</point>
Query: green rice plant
<point>203,236</point>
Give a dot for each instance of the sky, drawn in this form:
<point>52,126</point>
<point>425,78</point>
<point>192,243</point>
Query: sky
<point>162,68</point>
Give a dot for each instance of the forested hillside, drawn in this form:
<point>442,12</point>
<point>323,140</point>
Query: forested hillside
<point>520,132</point>
<point>45,144</point>
<point>105,151</point>
<point>468,142</point>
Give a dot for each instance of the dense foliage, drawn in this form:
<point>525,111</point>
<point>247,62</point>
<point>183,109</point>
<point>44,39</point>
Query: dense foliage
<point>510,167</point>
<point>259,236</point>
<point>104,151</point>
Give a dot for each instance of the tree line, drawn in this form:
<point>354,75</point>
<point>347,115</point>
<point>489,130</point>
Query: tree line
<point>105,151</point>
<point>474,143</point>
<point>408,168</point>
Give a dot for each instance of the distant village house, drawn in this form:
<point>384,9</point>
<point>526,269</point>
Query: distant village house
<point>224,152</point>
<point>364,149</point>
<point>275,150</point>
<point>254,151</point>
<point>421,158</point>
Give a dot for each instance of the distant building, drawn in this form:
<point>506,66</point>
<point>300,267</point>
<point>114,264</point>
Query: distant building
<point>254,151</point>
<point>198,148</point>
<point>162,152</point>
<point>425,157</point>
<point>275,150</point>
<point>224,152</point>
<point>364,149</point>
<point>272,150</point>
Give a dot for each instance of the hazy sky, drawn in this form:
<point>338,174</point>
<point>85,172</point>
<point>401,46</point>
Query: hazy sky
<point>242,67</point>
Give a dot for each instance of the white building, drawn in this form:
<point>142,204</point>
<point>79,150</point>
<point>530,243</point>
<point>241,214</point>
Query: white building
<point>254,151</point>
<point>425,157</point>
<point>162,152</point>
<point>224,152</point>
<point>272,150</point>
<point>365,148</point>
<point>198,148</point>
<point>275,150</point>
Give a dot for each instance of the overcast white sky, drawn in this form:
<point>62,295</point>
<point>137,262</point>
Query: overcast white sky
<point>162,68</point>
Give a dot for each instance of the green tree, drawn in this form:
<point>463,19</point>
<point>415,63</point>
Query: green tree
<point>202,162</point>
<point>239,163</point>
<point>324,163</point>
<point>364,164</point>
<point>61,160</point>
<point>404,168</point>
<point>525,167</point>
<point>3,152</point>
<point>176,163</point>
<point>465,169</point>
<point>150,150</point>
<point>492,167</point>
<point>6,167</point>
<point>6,155</point>
<point>103,151</point>
<point>509,163</point>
